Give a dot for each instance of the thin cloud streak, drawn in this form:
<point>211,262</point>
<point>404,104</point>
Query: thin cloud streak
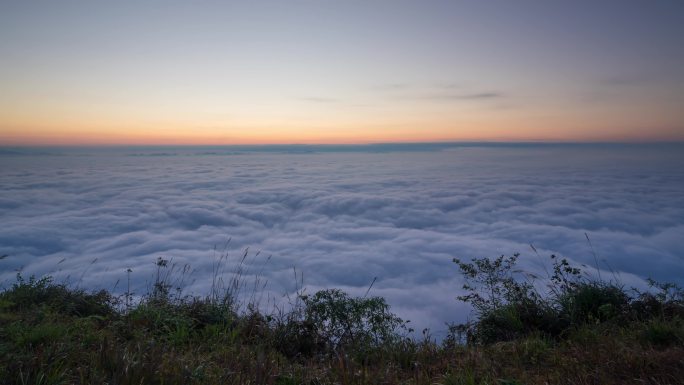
<point>320,100</point>
<point>449,91</point>
<point>451,96</point>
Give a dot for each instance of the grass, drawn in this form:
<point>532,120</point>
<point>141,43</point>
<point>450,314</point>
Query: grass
<point>582,331</point>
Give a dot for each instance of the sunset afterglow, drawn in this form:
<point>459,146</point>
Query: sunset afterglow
<point>215,72</point>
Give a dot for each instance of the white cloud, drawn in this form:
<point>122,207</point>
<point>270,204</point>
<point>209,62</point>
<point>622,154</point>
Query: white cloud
<point>343,218</point>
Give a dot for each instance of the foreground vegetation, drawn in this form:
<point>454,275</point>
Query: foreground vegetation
<point>567,328</point>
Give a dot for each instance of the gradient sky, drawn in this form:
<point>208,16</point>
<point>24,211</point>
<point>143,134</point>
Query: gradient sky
<point>222,72</point>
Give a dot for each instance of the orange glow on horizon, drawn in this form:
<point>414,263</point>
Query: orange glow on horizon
<point>55,127</point>
<point>312,135</point>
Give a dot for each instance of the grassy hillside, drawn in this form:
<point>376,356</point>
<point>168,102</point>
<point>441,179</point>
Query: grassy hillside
<point>575,331</point>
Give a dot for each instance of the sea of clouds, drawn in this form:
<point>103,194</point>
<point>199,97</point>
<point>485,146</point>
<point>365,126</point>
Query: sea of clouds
<point>341,216</point>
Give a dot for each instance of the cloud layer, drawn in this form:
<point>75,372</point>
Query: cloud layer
<point>343,217</point>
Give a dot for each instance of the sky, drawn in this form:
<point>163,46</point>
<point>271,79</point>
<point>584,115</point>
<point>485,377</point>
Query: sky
<point>256,72</point>
<point>341,217</point>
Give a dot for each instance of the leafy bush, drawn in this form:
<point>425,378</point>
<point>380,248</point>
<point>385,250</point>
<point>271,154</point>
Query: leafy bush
<point>342,321</point>
<point>25,294</point>
<point>508,306</point>
<point>491,284</point>
<point>664,300</point>
<point>516,320</point>
<point>593,302</point>
<point>297,338</point>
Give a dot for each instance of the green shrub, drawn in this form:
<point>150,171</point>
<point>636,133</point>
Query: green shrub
<point>593,302</point>
<point>297,338</point>
<point>664,301</point>
<point>516,320</point>
<point>342,321</point>
<point>25,294</point>
<point>508,307</point>
<point>490,284</point>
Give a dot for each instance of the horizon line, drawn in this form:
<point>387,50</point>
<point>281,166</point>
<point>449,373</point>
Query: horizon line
<point>359,144</point>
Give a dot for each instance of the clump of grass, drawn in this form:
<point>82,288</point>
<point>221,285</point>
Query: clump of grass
<point>663,332</point>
